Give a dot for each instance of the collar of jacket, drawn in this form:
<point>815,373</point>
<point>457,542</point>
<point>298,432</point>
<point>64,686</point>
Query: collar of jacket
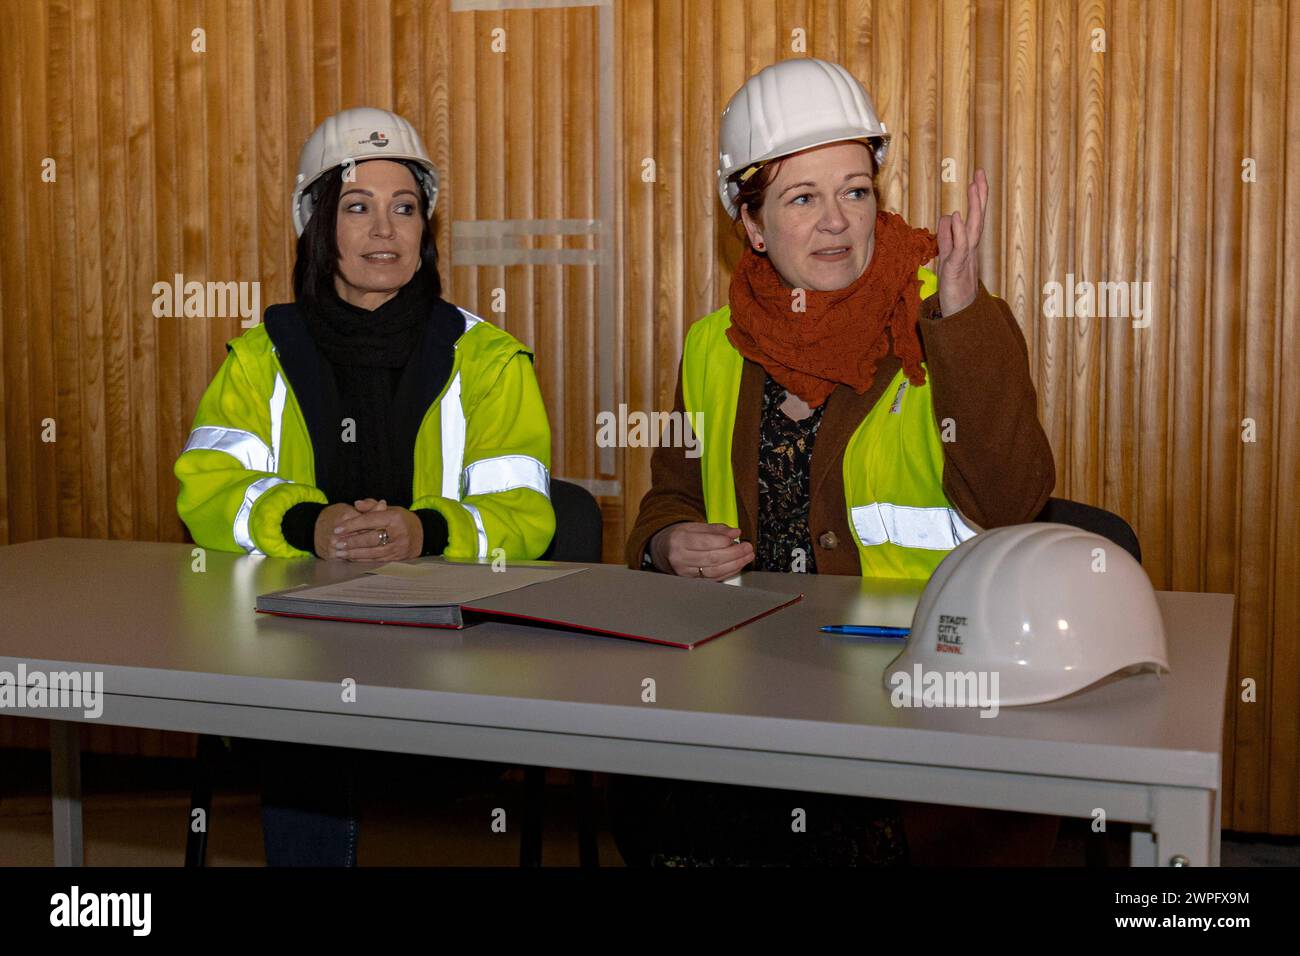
<point>314,387</point>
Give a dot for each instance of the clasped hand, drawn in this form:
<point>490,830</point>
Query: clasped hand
<point>351,532</point>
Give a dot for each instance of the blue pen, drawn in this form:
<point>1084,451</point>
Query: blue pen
<point>865,630</point>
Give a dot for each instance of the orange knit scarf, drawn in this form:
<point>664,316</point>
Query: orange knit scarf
<point>841,334</point>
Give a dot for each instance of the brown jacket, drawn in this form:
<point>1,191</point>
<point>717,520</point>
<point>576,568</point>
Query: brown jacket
<point>997,471</point>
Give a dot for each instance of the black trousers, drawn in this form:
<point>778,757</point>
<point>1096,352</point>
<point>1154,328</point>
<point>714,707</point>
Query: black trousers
<point>312,796</point>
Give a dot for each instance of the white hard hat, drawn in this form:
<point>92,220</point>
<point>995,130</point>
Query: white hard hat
<point>356,135</point>
<point>789,106</point>
<point>1050,609</point>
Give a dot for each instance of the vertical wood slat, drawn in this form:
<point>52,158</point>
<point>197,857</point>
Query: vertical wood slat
<point>142,405</point>
<point>955,71</point>
<point>1284,730</point>
<point>668,188</point>
<point>1122,165</point>
<point>550,165</point>
<point>988,132</point>
<point>1055,173</point>
<point>432,95</point>
<point>825,24</point>
<point>1221,411</point>
<point>219,240</point>
<point>1086,465</point>
<point>242,128</point>
<point>86,176</point>
<point>1188,320</point>
<point>615,509</point>
<point>39,235</point>
<point>700,206</point>
<point>272,154</point>
<point>1021,285</point>
<point>1155,345</point>
<point>519,163</point>
<point>757,22</point>
<point>355,25</point>
<point>889,91</point>
<point>578,332</point>
<point>192,197</point>
<point>302,112</point>
<point>171,418</point>
<point>729,72</point>
<point>406,67</point>
<point>1258,277</point>
<point>639,208</point>
<point>64,287</point>
<point>15,457</point>
<point>111,222</point>
<point>1125,138</point>
<point>1222,526</point>
<point>326,65</point>
<point>924,157</point>
<point>376,79</point>
<point>490,144</point>
<point>463,193</point>
<point>792,15</point>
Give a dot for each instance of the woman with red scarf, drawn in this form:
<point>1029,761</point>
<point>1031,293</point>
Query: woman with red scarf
<point>872,429</point>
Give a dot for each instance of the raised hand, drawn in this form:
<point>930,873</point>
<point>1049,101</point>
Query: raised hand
<point>959,239</point>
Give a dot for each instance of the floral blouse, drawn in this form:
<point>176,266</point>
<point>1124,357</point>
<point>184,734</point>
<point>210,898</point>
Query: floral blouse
<point>785,451</point>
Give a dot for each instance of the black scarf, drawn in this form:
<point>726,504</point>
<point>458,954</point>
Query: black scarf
<point>368,351</point>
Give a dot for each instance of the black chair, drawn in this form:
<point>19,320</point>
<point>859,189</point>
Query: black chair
<point>1090,518</point>
<point>579,525</point>
<point>579,528</point>
<point>1111,526</point>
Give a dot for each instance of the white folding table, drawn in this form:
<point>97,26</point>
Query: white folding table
<point>774,704</point>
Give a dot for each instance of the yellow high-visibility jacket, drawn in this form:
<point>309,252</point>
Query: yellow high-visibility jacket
<point>482,452</point>
<point>902,522</point>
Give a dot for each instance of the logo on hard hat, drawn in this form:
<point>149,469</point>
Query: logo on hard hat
<point>949,631</point>
<point>376,139</point>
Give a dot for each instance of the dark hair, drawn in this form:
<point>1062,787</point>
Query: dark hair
<point>318,246</point>
<point>752,190</point>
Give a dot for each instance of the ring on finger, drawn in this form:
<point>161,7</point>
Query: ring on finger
<point>383,537</point>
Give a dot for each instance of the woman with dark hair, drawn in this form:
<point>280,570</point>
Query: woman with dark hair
<point>369,420</point>
<point>864,416</point>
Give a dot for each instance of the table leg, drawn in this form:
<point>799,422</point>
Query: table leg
<point>1216,828</point>
<point>65,779</point>
<point>1186,827</point>
<point>1141,848</point>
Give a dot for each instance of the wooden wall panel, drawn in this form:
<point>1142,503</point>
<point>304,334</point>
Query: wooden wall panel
<point>1121,162</point>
